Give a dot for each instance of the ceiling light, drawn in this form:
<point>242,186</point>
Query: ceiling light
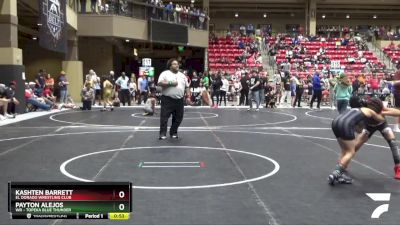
<point>34,38</point>
<point>375,16</point>
<point>236,15</point>
<point>323,16</point>
<point>347,16</point>
<point>39,24</point>
<point>265,15</point>
<point>127,40</point>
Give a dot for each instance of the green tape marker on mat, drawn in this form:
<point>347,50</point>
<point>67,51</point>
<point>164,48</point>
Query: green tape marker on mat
<point>140,164</point>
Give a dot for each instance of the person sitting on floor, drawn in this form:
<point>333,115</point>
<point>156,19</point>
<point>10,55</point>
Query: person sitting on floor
<point>35,101</point>
<point>10,95</point>
<point>87,95</point>
<point>149,108</point>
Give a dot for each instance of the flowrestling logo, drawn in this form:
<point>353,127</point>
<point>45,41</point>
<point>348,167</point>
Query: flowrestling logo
<point>52,32</point>
<point>55,17</point>
<point>379,197</point>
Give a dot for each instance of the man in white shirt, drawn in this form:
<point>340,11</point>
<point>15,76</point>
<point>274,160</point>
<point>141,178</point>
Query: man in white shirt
<point>123,83</point>
<point>173,84</point>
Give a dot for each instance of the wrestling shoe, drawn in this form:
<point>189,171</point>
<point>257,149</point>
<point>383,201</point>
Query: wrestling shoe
<point>345,179</point>
<point>333,177</point>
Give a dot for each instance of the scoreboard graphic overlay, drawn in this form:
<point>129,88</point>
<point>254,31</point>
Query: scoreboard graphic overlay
<point>70,200</point>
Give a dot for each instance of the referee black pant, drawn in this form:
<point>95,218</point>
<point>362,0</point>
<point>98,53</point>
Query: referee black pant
<point>174,107</point>
<point>243,100</point>
<point>125,96</point>
<point>317,94</point>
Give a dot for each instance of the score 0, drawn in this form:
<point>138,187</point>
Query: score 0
<point>121,195</point>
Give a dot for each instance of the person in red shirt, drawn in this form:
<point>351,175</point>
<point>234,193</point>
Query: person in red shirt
<point>374,84</point>
<point>48,93</point>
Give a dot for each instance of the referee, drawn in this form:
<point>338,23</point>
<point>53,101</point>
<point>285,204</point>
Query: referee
<point>174,84</point>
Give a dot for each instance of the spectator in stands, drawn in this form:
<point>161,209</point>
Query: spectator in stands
<point>392,45</point>
<point>87,94</point>
<point>351,59</point>
<point>100,6</point>
<point>178,10</point>
<point>286,66</point>
<point>202,19</point>
<point>303,50</point>
<point>362,84</point>
<point>374,84</point>
<point>185,17</point>
<point>345,42</point>
<point>242,29</point>
<point>249,29</point>
<point>195,16</point>
<point>83,6</point>
<point>93,5</point>
<point>161,11</point>
<point>169,10</point>
<point>242,44</point>
<point>317,90</point>
<point>343,91</point>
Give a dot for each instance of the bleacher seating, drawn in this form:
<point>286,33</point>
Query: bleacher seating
<point>225,48</point>
<point>334,53</point>
<point>393,54</point>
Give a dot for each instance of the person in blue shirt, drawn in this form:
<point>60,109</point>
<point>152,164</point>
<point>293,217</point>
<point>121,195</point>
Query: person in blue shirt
<point>317,90</point>
<point>143,85</point>
<point>250,29</point>
<point>170,8</point>
<point>241,45</point>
